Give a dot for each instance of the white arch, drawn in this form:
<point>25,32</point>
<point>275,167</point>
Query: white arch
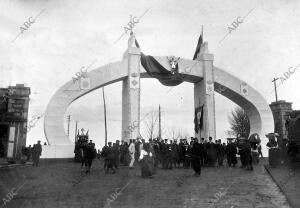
<point>256,107</point>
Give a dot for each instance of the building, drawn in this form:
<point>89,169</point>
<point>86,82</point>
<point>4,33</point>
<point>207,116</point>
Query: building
<point>286,120</point>
<point>281,111</point>
<point>14,103</point>
<point>293,126</point>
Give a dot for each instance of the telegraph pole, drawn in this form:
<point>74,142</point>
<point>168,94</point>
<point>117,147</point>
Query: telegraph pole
<point>76,131</point>
<point>69,119</point>
<point>159,122</point>
<point>274,80</point>
<point>105,125</point>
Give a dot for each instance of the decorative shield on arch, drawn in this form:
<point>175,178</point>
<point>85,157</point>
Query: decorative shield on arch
<point>134,81</point>
<point>85,83</point>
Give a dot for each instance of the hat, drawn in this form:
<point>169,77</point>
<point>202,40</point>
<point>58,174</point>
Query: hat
<point>271,135</point>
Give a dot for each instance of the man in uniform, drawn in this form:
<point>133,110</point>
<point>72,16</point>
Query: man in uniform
<point>186,154</point>
<point>203,152</point>
<point>231,152</point>
<point>37,151</point>
<point>195,157</point>
<point>104,154</point>
<point>164,152</point>
<point>122,152</point>
<point>90,156</point>
<point>175,156</point>
<point>169,154</point>
<point>220,152</point>
<point>180,152</point>
<point>117,153</point>
<point>137,149</point>
<point>110,159</point>
<point>211,153</point>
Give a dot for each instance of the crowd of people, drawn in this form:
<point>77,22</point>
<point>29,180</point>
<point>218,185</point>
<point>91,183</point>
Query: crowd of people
<point>172,154</point>
<point>33,153</point>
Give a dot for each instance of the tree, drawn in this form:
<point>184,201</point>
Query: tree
<point>230,133</point>
<point>174,133</point>
<point>177,133</point>
<point>151,126</point>
<point>239,122</point>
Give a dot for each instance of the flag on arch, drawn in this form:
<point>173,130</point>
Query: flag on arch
<point>200,40</point>
<point>198,120</point>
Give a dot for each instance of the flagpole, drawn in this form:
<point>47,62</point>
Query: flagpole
<point>201,114</point>
<point>105,125</point>
<point>201,119</point>
<point>200,133</point>
<point>202,33</point>
<point>76,131</point>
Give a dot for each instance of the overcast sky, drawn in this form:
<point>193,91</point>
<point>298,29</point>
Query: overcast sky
<point>70,34</point>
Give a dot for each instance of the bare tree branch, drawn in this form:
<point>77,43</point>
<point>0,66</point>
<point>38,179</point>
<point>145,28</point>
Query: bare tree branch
<point>239,123</point>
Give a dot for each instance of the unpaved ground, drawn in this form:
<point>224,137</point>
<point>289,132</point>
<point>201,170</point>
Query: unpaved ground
<point>288,178</point>
<point>61,185</point>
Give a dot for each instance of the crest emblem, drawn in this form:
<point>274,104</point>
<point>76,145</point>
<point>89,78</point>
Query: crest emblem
<point>134,75</point>
<point>134,82</point>
<point>209,82</point>
<point>244,89</point>
<point>173,61</point>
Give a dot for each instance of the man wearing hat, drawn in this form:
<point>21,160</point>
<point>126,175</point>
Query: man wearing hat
<point>195,157</point>
<point>211,153</point>
<point>117,153</point>
<point>203,150</point>
<point>186,153</point>
<point>110,160</point>
<point>37,151</point>
<point>175,156</point>
<point>137,148</point>
<point>164,153</point>
<point>272,145</point>
<point>231,152</point>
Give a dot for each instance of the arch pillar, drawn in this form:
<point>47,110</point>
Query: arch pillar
<point>131,93</point>
<point>204,95</point>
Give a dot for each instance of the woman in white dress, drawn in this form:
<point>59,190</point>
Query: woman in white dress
<point>146,161</point>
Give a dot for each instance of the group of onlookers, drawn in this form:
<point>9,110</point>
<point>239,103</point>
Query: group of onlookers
<point>170,153</point>
<point>33,153</point>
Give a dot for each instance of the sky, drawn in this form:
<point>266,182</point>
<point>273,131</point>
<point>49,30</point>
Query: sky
<point>67,35</point>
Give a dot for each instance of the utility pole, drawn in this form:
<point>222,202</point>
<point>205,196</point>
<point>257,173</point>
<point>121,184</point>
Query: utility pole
<point>69,119</point>
<point>104,116</point>
<point>274,80</point>
<point>159,122</point>
<point>76,131</point>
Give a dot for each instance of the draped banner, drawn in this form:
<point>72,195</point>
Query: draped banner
<point>156,70</point>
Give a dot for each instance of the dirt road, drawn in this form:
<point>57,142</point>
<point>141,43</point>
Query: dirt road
<point>63,185</point>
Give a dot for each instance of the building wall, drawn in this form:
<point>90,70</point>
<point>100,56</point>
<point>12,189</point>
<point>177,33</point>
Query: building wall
<point>14,113</point>
<point>281,111</point>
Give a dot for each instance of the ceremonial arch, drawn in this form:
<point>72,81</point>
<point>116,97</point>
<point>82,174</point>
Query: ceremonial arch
<point>207,80</point>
